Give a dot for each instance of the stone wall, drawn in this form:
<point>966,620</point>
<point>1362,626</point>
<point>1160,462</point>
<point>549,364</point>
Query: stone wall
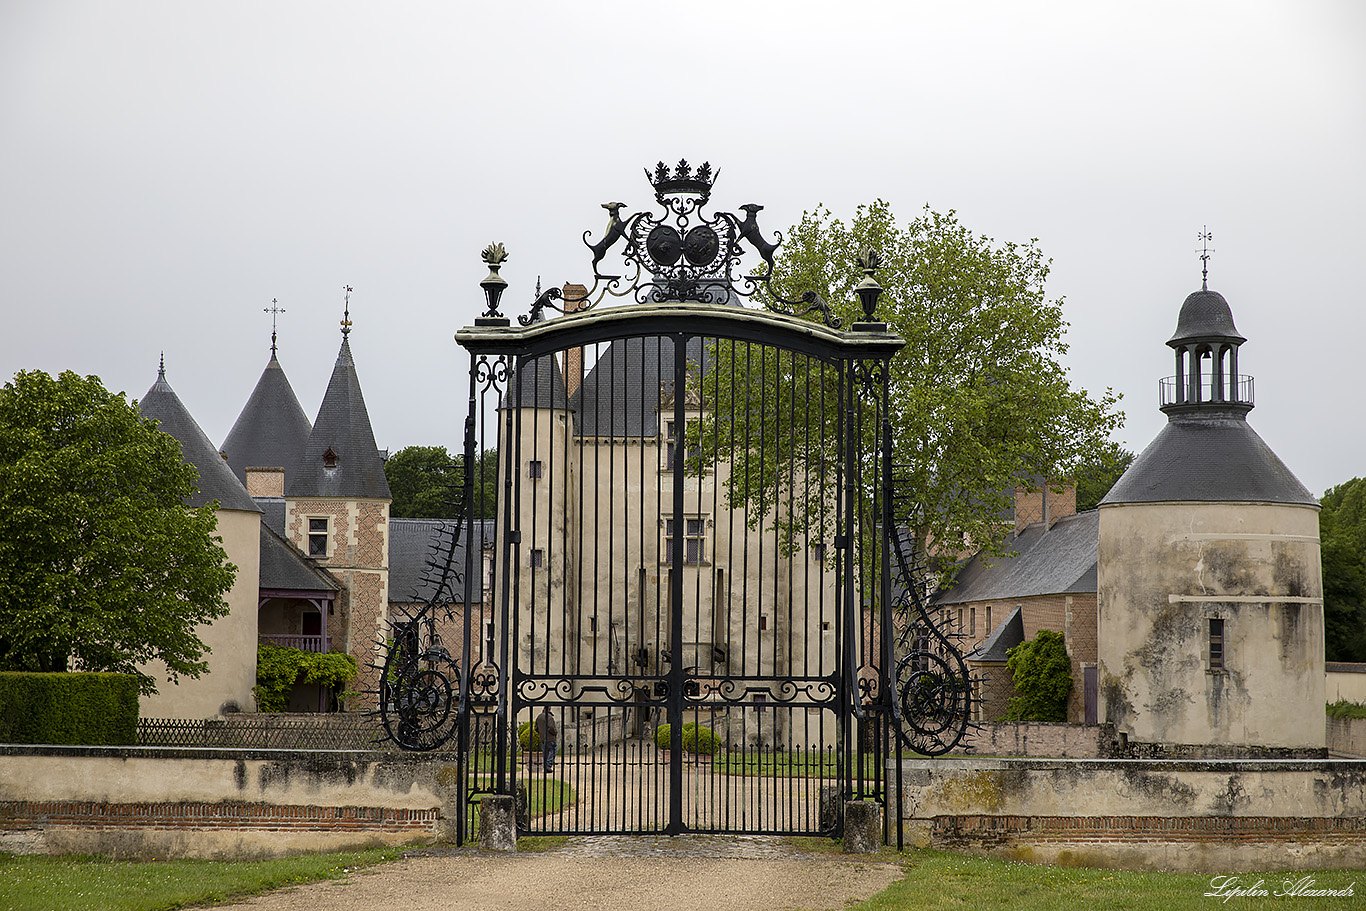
<point>1043,740</point>
<point>1346,681</point>
<point>1195,816</point>
<point>173,802</point>
<point>1347,737</point>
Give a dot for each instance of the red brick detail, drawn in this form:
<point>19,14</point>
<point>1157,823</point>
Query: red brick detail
<point>18,815</point>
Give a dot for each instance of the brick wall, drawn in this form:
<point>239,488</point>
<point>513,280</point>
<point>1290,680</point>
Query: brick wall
<point>1072,615</point>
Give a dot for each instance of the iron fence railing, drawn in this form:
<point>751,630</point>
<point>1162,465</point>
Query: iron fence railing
<point>266,731</point>
<point>1174,390</point>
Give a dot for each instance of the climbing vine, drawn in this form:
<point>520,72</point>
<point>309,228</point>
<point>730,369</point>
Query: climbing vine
<point>279,669</point>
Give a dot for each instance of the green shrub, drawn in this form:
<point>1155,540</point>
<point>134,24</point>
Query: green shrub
<point>62,708</point>
<point>1344,709</point>
<point>664,737</point>
<point>528,736</point>
<point>699,739</point>
<point>278,669</point>
<point>1043,679</point>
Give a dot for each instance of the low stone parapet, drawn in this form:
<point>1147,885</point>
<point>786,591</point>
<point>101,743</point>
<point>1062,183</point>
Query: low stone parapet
<point>1347,737</point>
<point>1216,816</point>
<point>181,802</point>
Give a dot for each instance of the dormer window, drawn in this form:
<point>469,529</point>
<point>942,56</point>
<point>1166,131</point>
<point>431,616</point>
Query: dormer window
<point>329,458</point>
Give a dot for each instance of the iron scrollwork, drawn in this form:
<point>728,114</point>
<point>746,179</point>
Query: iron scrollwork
<point>422,698</point>
<point>933,684</point>
<point>684,253</point>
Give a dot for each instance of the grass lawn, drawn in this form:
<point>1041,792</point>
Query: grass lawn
<point>29,883</point>
<point>938,880</point>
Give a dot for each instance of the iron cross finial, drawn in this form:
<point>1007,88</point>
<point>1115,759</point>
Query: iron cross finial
<point>346,314</point>
<point>1205,237</point>
<point>274,309</point>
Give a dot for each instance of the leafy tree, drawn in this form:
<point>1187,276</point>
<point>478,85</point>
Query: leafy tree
<point>1042,674</point>
<point>102,567</point>
<point>979,402</point>
<point>1342,535</point>
<point>1099,472</point>
<point>425,483</point>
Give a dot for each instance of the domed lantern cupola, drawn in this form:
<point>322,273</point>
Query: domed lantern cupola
<point>1206,345</point>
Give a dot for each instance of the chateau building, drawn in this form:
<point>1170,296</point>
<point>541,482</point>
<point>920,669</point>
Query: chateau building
<point>304,515</point>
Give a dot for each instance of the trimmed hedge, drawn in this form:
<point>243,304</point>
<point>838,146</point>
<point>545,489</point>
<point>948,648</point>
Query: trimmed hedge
<point>69,709</point>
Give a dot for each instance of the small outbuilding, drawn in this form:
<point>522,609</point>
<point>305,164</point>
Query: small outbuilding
<point>1209,588</point>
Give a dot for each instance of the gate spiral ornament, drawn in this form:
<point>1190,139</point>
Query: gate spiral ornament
<point>420,695</point>
<point>933,686</point>
<point>421,690</point>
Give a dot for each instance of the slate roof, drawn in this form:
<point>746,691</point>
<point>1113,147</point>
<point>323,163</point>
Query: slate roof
<point>1211,455</point>
<point>273,513</point>
<point>541,383</point>
<point>1205,314</point>
<point>283,566</point>
<point>216,480</point>
<point>343,426</point>
<point>272,429</point>
<point>412,542</point>
<point>1059,560</point>
<point>620,396</point>
<point>997,646</point>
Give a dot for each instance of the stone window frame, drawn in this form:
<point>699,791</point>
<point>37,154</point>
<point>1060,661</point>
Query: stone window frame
<point>324,533</point>
<point>699,538</point>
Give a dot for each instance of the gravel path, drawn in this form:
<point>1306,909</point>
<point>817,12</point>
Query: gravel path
<point>716,873</point>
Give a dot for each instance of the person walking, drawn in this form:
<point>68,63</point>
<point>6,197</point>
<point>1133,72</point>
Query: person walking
<point>549,732</point>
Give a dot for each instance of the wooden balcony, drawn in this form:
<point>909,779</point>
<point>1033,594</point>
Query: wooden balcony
<point>302,643</point>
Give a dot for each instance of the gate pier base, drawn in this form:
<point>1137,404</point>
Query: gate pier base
<point>862,827</point>
<point>498,823</point>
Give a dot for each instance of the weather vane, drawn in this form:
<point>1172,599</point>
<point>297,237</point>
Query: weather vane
<point>346,314</point>
<point>273,310</point>
<point>1205,251</point>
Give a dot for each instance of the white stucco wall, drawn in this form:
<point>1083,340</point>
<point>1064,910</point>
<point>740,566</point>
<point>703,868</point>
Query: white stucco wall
<point>1166,569</point>
<point>231,639</point>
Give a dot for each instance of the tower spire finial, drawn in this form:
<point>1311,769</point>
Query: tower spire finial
<point>161,369</point>
<point>346,314</point>
<point>274,309</point>
<point>1205,251</point>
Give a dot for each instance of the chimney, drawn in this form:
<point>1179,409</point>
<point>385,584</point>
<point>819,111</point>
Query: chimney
<point>265,482</point>
<point>574,298</point>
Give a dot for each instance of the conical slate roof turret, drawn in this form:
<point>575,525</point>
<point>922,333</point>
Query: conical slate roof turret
<point>216,480</point>
<point>537,382</point>
<point>272,429</point>
<point>340,458</point>
<point>1207,452</point>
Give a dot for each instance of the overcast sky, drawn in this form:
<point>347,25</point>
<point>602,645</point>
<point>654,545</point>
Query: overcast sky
<point>167,169</point>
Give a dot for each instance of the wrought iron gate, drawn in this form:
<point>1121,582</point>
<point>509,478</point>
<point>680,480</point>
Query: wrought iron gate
<point>677,557</point>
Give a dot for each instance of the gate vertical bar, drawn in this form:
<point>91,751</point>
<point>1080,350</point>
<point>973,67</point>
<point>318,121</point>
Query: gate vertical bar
<point>675,708</point>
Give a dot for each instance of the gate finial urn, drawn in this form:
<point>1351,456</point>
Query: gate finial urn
<point>494,255</point>
<point>868,290</point>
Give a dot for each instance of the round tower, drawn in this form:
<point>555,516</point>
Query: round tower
<point>1209,590</point>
